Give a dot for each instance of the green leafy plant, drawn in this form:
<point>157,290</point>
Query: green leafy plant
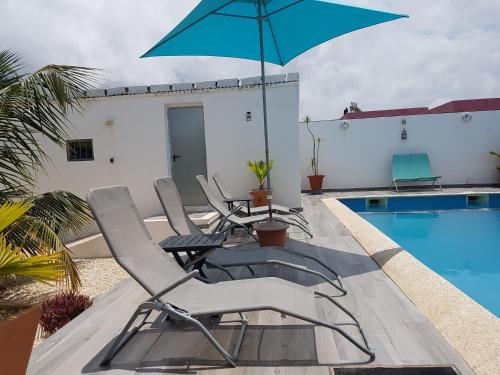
<point>47,266</point>
<point>316,146</point>
<point>59,310</point>
<point>259,168</point>
<point>35,106</point>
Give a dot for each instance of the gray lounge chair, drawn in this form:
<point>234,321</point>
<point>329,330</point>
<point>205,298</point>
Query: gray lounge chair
<point>171,202</point>
<point>181,296</point>
<point>229,219</point>
<point>255,210</point>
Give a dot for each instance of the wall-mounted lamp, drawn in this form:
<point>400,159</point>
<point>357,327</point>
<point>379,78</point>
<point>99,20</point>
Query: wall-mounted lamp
<point>404,133</point>
<point>109,122</point>
<point>344,125</point>
<point>248,116</point>
<point>466,117</point>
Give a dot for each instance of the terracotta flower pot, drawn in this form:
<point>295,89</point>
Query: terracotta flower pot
<point>316,182</point>
<point>271,233</point>
<point>259,198</point>
<point>17,334</point>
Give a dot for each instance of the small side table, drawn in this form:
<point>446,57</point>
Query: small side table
<point>231,201</point>
<point>194,245</point>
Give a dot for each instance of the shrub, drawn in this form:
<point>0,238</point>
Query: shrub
<point>62,308</point>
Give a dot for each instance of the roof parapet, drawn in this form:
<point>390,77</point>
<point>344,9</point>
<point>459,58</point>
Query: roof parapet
<point>230,83</point>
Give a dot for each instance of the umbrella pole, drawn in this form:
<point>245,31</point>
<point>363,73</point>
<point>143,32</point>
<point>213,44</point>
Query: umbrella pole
<point>264,106</point>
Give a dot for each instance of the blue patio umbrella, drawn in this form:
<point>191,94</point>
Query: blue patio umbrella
<point>274,31</point>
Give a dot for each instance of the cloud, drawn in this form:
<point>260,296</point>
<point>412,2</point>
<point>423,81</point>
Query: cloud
<point>447,49</point>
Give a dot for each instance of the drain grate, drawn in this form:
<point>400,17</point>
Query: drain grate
<point>414,370</point>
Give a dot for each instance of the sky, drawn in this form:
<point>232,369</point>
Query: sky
<point>446,50</point>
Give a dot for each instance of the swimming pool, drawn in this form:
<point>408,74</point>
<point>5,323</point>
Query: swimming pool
<point>462,245</point>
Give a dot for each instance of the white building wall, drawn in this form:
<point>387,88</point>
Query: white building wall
<point>361,155</point>
<point>138,142</point>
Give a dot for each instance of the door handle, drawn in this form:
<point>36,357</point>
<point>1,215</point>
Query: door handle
<point>175,157</point>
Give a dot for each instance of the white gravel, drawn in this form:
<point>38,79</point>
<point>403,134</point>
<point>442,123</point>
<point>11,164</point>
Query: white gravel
<point>98,275</point>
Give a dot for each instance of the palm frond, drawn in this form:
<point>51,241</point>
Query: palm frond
<point>34,237</point>
<point>62,211</point>
<point>33,107</point>
<point>44,268</point>
<point>12,212</point>
<point>10,68</point>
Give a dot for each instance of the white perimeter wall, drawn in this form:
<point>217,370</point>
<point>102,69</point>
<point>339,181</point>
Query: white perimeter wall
<point>361,155</point>
<point>138,142</point>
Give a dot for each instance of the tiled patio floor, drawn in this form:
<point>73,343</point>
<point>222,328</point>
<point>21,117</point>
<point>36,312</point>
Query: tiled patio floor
<point>273,344</point>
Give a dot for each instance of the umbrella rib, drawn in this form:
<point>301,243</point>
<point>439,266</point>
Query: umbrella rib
<point>188,26</point>
<point>274,36</point>
<point>234,15</point>
<point>283,8</point>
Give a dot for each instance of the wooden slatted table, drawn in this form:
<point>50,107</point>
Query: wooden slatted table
<point>194,245</point>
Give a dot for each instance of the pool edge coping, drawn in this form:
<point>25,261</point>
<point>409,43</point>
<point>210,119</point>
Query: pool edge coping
<point>472,330</point>
<point>415,194</point>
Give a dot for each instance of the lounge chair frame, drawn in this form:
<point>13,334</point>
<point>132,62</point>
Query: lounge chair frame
<point>228,220</point>
<point>433,179</point>
<point>186,227</point>
<point>256,210</point>
<point>154,304</point>
<point>223,266</point>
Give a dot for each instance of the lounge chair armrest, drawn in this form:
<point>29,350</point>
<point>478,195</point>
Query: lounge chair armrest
<point>237,208</point>
<point>289,265</point>
<point>188,277</point>
<point>270,261</point>
<point>231,213</point>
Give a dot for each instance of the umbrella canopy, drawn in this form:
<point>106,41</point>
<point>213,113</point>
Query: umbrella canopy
<point>275,31</point>
<point>229,28</point>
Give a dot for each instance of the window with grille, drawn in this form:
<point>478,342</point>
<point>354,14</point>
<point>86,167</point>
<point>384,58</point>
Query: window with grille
<point>80,150</point>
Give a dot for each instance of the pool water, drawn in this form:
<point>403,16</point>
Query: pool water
<point>463,246</point>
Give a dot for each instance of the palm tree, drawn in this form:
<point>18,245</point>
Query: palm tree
<point>33,107</point>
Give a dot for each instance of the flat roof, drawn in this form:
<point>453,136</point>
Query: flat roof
<point>186,87</point>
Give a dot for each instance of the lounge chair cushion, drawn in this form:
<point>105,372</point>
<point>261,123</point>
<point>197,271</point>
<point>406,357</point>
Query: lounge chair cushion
<point>243,295</point>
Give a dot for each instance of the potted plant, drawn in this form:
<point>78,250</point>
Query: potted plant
<point>271,233</point>
<point>498,156</point>
<point>316,179</point>
<point>259,168</point>
<point>19,321</point>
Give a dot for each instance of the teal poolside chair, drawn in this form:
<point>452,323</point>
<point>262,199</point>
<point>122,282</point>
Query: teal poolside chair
<point>412,168</point>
